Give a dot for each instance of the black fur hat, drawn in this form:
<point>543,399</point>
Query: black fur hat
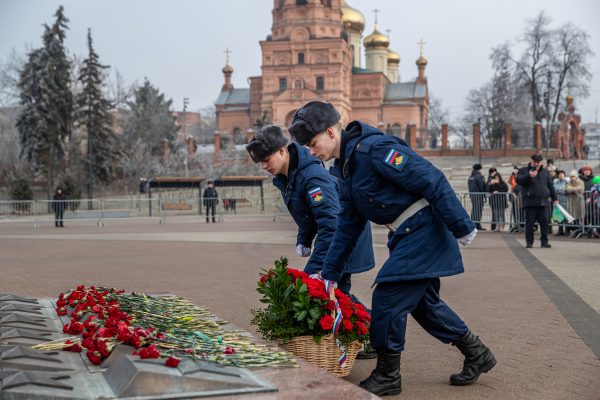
<point>266,141</point>
<point>312,118</point>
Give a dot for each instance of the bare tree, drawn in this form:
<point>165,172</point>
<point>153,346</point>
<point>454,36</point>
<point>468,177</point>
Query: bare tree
<point>9,78</point>
<point>570,68</point>
<point>438,116</point>
<point>119,91</point>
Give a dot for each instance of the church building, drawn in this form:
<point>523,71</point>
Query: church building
<point>315,52</point>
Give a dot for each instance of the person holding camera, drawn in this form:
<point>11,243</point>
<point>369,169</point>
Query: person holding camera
<point>537,188</point>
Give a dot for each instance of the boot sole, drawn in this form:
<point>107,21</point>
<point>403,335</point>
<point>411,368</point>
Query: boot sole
<point>485,370</point>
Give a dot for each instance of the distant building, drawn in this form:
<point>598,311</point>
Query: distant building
<point>592,140</point>
<point>314,52</point>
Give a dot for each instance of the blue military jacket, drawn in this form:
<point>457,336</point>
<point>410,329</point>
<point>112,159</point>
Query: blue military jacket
<point>380,178</point>
<point>311,196</point>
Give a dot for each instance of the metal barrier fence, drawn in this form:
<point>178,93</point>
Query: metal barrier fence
<point>504,212</point>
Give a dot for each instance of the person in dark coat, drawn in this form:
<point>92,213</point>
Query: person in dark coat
<point>311,196</point>
<point>386,182</point>
<point>211,199</point>
<point>477,189</point>
<point>59,204</point>
<point>536,190</point>
<point>498,188</point>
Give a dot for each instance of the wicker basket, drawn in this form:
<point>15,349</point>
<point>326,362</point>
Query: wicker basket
<point>324,355</point>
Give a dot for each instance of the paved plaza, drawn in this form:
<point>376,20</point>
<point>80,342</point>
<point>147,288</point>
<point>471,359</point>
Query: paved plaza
<point>538,309</point>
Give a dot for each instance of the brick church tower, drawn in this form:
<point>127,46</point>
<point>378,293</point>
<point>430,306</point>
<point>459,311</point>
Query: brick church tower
<point>314,52</point>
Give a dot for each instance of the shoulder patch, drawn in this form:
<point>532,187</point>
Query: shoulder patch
<point>316,196</point>
<point>395,159</point>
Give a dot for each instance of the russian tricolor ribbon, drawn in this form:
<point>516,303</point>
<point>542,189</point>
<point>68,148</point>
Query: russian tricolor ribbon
<point>337,321</point>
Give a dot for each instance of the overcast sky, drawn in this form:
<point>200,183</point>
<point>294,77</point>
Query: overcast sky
<point>179,44</point>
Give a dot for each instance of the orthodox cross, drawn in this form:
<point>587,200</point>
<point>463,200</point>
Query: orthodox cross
<point>227,52</point>
<point>421,43</point>
<point>375,11</point>
<point>388,32</point>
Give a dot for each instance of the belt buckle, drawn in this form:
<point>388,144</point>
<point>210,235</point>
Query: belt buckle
<point>390,227</point>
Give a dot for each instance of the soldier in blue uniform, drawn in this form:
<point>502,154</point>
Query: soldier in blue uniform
<point>385,182</point>
<point>311,196</point>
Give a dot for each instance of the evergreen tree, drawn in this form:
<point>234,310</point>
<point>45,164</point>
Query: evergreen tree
<point>93,114</point>
<point>150,120</point>
<point>47,102</point>
<point>18,187</point>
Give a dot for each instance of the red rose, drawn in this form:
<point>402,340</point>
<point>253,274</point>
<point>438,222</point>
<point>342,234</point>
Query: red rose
<point>94,356</point>
<point>172,362</point>
<point>326,322</point>
<point>229,350</point>
<point>329,305</point>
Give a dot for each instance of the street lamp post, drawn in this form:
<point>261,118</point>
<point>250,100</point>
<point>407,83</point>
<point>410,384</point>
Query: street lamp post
<point>185,162</point>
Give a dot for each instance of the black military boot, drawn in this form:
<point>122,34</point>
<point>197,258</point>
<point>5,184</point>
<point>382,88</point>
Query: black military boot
<point>385,380</point>
<point>367,353</point>
<point>478,359</point>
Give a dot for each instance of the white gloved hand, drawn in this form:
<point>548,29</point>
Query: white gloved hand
<point>303,251</point>
<point>466,240</point>
<point>320,278</point>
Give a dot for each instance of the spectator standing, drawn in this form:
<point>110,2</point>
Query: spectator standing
<point>498,188</point>
<point>476,192</point>
<point>491,175</point>
<point>517,215</point>
<point>560,187</point>
<point>593,206</point>
<point>59,203</point>
<point>537,189</point>
<point>586,175</point>
<point>211,199</point>
<point>575,189</point>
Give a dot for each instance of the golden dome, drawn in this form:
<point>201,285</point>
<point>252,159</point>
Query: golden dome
<point>393,57</point>
<point>227,69</point>
<point>421,61</point>
<point>376,40</point>
<point>569,98</point>
<point>352,19</point>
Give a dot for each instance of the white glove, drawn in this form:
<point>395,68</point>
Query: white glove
<point>303,251</point>
<point>320,278</point>
<point>466,240</point>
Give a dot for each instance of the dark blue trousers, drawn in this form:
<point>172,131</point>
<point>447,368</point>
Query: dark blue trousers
<point>393,301</point>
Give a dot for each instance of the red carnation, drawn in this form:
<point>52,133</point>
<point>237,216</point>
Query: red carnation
<point>361,328</point>
<point>61,311</point>
<point>347,325</point>
<point>149,352</point>
<point>172,362</point>
<point>75,328</point>
<point>326,322</point>
<point>88,344</point>
<point>136,341</point>
<point>229,350</point>
<point>124,334</point>
<point>94,356</point>
<point>103,347</point>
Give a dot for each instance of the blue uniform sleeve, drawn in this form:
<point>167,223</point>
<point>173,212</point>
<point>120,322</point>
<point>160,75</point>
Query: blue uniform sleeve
<point>413,173</point>
<point>350,224</point>
<point>322,196</point>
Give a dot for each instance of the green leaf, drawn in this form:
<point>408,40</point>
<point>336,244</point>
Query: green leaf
<point>314,313</point>
<point>303,288</point>
<point>301,315</point>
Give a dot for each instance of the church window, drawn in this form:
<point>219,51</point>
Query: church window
<point>396,130</point>
<point>301,2</point>
<point>281,3</point>
<point>282,84</point>
<point>300,58</point>
<point>326,3</point>
<point>320,83</point>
